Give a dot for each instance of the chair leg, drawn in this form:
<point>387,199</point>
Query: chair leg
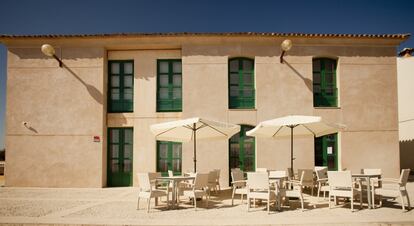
<point>241,198</point>
<point>138,203</point>
<point>312,190</point>
<point>195,203</point>
<point>268,205</point>
<point>329,201</point>
<point>408,200</point>
<point>149,203</point>
<point>208,199</point>
<point>360,200</point>
<point>301,202</point>
<point>352,204</point>
<point>232,196</point>
<point>402,201</point>
<point>319,191</point>
<point>248,203</point>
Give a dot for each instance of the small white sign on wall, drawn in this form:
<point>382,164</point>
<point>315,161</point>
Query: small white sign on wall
<point>330,150</point>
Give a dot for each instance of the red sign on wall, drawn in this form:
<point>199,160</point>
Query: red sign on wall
<point>96,139</point>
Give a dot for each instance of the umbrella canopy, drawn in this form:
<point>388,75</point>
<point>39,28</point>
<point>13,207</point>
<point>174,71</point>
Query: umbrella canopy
<point>193,129</point>
<point>294,125</point>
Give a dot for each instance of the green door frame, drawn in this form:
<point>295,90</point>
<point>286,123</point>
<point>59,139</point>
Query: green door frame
<point>242,155</point>
<point>116,154</point>
<point>325,158</point>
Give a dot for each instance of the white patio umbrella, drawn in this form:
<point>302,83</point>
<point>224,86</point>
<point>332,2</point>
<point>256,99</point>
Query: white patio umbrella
<point>192,129</point>
<point>294,125</point>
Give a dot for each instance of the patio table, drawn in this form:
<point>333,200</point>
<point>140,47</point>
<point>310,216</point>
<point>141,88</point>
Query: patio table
<point>367,177</point>
<point>175,180</point>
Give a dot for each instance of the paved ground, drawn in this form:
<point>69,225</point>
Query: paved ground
<point>117,206</point>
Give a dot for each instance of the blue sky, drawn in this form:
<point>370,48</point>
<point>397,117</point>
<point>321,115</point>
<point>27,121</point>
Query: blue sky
<point>100,16</point>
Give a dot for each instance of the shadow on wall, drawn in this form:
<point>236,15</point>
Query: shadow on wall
<point>35,53</point>
<point>94,92</point>
<point>407,155</point>
<point>307,81</point>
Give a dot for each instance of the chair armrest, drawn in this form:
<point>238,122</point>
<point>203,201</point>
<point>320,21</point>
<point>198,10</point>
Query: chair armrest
<point>293,182</point>
<point>187,183</point>
<point>322,180</point>
<point>238,181</point>
<point>393,180</point>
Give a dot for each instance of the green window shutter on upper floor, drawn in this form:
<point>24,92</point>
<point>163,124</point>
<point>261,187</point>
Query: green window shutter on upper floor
<point>325,92</point>
<point>241,83</point>
<point>121,86</point>
<point>169,85</point>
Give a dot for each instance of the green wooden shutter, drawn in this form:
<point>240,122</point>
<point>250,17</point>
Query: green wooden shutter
<point>325,92</point>
<point>241,83</point>
<point>169,85</point>
<point>121,86</point>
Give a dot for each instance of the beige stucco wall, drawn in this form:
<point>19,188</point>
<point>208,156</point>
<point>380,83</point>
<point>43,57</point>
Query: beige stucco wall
<point>366,79</point>
<point>405,66</point>
<point>63,113</point>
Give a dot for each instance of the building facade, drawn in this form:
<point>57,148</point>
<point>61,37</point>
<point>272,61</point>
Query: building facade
<point>86,124</point>
<point>405,69</point>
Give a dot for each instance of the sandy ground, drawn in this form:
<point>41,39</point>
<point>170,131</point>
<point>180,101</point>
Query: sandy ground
<point>117,206</point>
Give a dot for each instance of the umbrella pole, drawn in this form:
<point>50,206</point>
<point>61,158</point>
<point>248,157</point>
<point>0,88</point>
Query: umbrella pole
<point>195,148</point>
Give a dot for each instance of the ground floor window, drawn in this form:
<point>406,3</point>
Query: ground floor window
<point>242,150</point>
<point>120,148</point>
<point>169,157</point>
<point>326,151</point>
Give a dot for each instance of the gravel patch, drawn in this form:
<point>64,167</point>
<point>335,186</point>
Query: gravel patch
<point>38,208</point>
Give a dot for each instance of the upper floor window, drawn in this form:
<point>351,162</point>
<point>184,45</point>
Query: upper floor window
<point>325,92</point>
<point>241,83</point>
<point>169,86</point>
<point>121,86</point>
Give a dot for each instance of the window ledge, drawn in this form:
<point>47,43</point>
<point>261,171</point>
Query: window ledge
<point>169,114</point>
<point>327,107</point>
<point>250,109</point>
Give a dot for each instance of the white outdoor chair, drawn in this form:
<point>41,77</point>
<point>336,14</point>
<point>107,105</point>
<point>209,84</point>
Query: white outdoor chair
<point>322,180</point>
<point>239,185</point>
<point>214,180</point>
<point>147,192</point>
<point>341,185</point>
<point>198,189</point>
<point>393,188</point>
<point>294,189</point>
<point>261,170</point>
<point>258,187</point>
<point>307,180</point>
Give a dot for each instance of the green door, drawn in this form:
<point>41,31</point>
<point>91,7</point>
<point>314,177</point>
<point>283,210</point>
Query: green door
<point>120,146</point>
<point>326,151</point>
<point>242,151</point>
<point>169,157</point>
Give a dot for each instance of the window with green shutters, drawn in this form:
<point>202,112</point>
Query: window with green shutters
<point>121,86</point>
<point>325,92</point>
<point>169,85</point>
<point>169,155</point>
<point>241,83</point>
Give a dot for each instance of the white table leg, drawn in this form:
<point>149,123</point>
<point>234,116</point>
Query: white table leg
<point>369,193</point>
<point>174,194</point>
